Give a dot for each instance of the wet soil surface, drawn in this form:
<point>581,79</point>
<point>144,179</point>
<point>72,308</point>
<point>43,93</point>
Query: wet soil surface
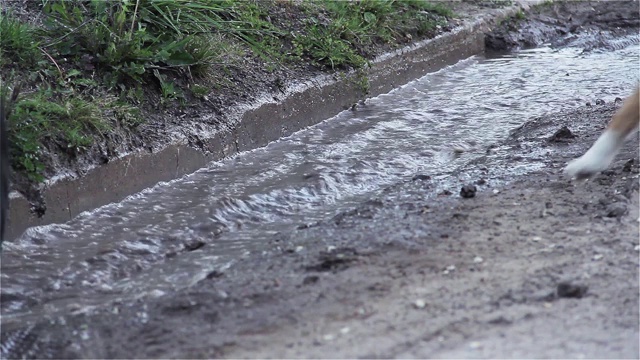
<point>532,261</point>
<point>508,266</point>
<point>562,24</point>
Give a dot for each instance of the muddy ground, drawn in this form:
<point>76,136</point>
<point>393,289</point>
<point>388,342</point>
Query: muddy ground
<point>532,266</point>
<point>536,266</point>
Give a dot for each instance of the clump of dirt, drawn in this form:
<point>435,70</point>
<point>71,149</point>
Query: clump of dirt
<point>468,191</point>
<point>571,290</point>
<point>562,135</point>
<point>561,22</point>
<point>334,260</point>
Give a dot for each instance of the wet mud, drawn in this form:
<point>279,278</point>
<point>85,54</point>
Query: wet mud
<point>561,23</point>
<point>534,260</point>
<point>493,265</point>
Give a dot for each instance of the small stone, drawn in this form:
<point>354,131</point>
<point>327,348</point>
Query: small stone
<point>345,330</point>
<point>617,100</point>
<point>421,177</point>
<point>481,182</point>
<point>569,290</point>
<point>477,259</point>
<point>312,279</point>
<point>468,191</point>
<point>496,191</point>
<point>299,248</point>
<point>597,257</point>
<point>193,244</point>
<point>156,293</point>
<point>616,209</point>
<point>599,102</point>
<point>536,238</point>
<point>419,304</point>
<point>328,337</point>
<point>588,104</point>
<point>330,248</point>
<point>475,345</point>
<point>637,248</point>
<point>562,135</point>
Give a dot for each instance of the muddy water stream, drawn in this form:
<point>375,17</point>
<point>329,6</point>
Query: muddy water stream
<point>177,233</point>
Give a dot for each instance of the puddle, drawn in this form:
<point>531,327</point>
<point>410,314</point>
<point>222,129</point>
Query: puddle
<point>177,233</point>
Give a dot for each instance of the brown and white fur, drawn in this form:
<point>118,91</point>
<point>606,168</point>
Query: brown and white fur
<point>603,151</point>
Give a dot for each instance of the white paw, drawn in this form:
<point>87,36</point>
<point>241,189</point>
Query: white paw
<point>587,165</point>
<point>597,158</point>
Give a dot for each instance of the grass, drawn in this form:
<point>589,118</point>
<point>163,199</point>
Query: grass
<point>88,67</point>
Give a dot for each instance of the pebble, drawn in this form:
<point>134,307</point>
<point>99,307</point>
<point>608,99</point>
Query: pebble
<point>468,191</point>
<point>299,248</point>
<point>345,330</point>
<point>328,337</point>
<point>449,269</point>
<point>616,209</point>
<point>477,259</point>
<point>496,191</point>
<point>597,257</point>
<point>536,238</point>
<point>570,290</point>
<point>637,248</point>
<point>419,304</point>
<point>421,177</point>
<point>156,293</point>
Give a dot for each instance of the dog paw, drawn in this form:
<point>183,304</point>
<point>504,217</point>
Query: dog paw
<point>587,166</point>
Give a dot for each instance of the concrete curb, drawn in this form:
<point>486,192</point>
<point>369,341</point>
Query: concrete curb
<point>256,126</point>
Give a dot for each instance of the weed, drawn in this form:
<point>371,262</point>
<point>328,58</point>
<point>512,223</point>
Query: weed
<point>199,90</point>
<point>362,81</point>
<point>67,120</point>
<point>325,48</point>
<point>18,42</point>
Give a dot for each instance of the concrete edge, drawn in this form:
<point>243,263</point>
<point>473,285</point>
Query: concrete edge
<point>257,126</point>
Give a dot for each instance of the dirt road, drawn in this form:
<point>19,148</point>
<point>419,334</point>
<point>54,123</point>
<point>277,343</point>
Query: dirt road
<point>532,266</point>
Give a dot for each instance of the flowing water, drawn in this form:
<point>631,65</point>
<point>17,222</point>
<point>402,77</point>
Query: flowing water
<point>136,247</point>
